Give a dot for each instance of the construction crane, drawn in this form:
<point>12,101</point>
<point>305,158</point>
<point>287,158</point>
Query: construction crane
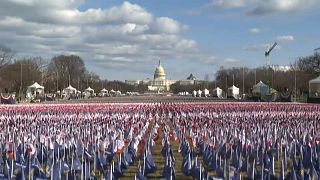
<point>317,51</point>
<point>267,53</point>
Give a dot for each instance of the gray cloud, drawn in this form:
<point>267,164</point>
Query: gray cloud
<point>121,37</point>
<point>278,6</point>
<point>67,12</point>
<point>259,7</point>
<point>227,4</point>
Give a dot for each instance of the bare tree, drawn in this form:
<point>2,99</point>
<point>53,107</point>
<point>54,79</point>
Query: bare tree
<point>279,80</point>
<point>21,73</point>
<point>64,70</point>
<point>310,64</point>
<point>6,56</point>
<point>206,80</point>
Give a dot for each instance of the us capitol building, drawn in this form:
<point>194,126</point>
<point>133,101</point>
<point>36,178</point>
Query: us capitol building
<point>159,82</point>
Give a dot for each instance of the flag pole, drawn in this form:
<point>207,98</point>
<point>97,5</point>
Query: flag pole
<point>29,166</point>
<point>14,155</point>
<point>95,158</point>
<point>120,160</point>
<point>66,160</point>
<point>81,163</point>
<point>11,175</point>
<point>200,171</point>
<point>144,163</point>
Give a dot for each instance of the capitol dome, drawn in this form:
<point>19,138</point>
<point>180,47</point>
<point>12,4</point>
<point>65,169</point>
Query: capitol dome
<point>159,73</point>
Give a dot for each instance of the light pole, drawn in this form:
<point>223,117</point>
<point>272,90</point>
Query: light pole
<point>295,82</point>
<point>226,86</point>
<point>42,69</point>
<point>87,82</point>
<point>242,81</point>
<point>69,79</point>
<point>255,76</point>
<point>78,83</point>
<point>20,93</point>
<point>57,83</point>
<point>21,79</point>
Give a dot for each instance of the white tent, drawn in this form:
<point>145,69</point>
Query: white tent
<point>217,92</point>
<point>69,90</point>
<point>36,86</point>
<point>314,87</point>
<point>89,90</point>
<point>206,92</point>
<point>260,89</point>
<point>194,93</point>
<point>34,89</point>
<point>199,93</point>
<point>233,91</point>
<point>104,90</point>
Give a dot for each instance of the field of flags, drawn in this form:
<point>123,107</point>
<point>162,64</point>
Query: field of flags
<point>168,140</point>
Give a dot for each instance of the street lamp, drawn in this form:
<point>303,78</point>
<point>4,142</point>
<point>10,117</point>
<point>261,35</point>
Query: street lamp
<point>242,81</point>
<point>57,82</point>
<point>21,79</point>
<point>295,82</point>
<point>226,86</point>
<point>20,82</point>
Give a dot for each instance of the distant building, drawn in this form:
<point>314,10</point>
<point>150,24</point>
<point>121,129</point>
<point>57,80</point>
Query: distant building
<point>187,82</point>
<point>191,77</point>
<point>159,82</point>
<point>191,80</point>
<point>280,68</point>
<point>133,82</point>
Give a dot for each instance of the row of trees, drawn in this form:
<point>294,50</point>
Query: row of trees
<point>280,80</point>
<point>17,73</point>
<point>295,78</point>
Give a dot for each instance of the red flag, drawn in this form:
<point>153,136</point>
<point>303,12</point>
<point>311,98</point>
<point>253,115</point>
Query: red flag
<point>11,155</point>
<point>31,150</point>
<point>171,137</point>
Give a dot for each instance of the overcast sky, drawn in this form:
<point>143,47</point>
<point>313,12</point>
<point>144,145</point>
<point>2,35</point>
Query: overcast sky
<point>125,39</point>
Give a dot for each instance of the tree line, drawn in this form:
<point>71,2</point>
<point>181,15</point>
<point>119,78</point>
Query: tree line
<point>17,73</point>
<point>296,77</point>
